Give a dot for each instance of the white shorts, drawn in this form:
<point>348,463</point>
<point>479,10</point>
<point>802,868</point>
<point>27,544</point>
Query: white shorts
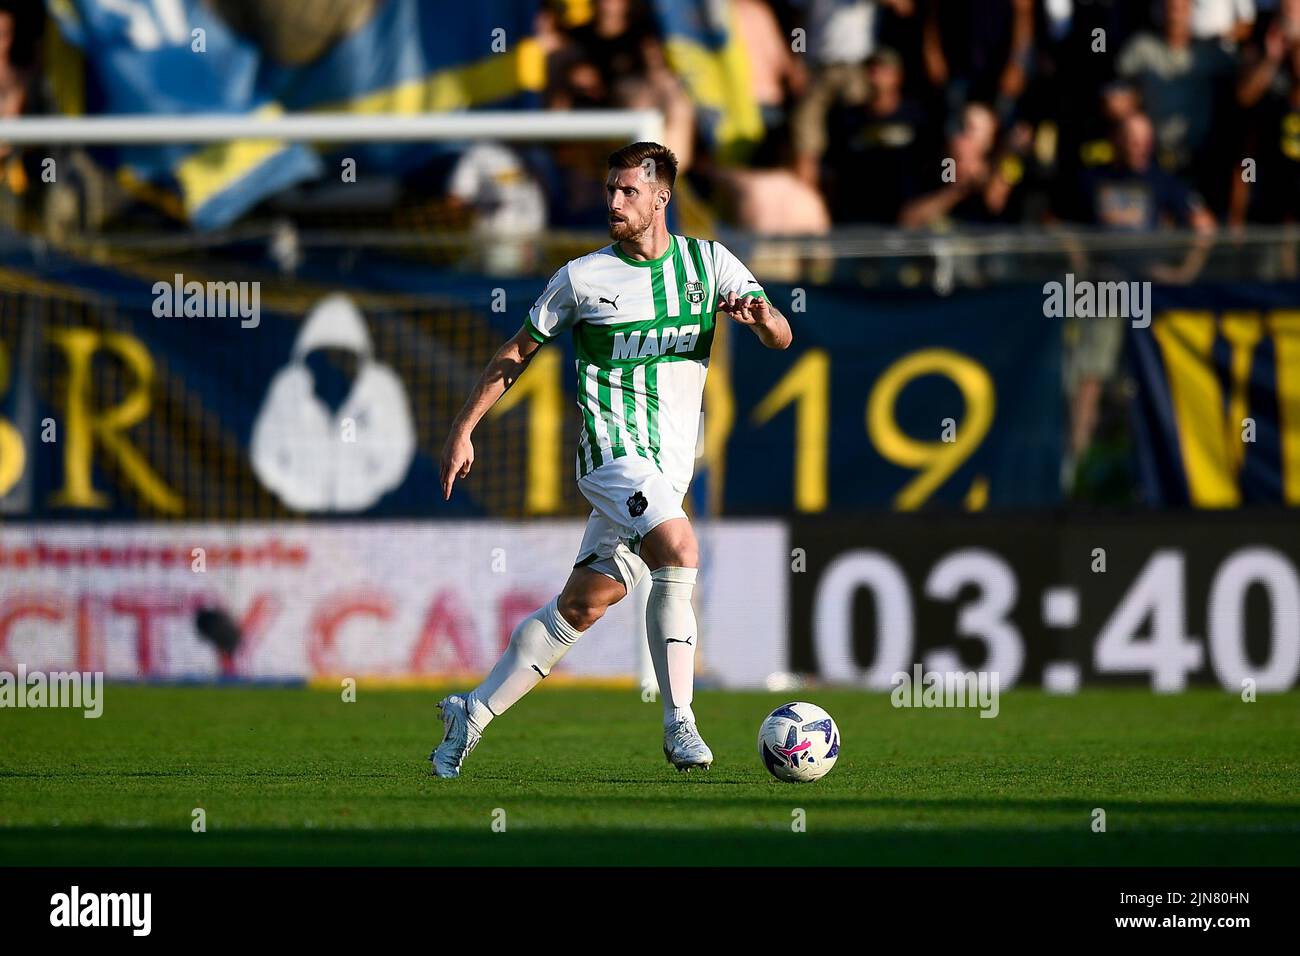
<point>629,498</point>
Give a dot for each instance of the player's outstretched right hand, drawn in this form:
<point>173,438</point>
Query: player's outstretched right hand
<point>457,457</point>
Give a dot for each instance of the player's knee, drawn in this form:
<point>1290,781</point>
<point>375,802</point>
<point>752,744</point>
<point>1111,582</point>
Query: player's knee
<point>675,548</point>
<point>581,610</point>
<point>684,555</point>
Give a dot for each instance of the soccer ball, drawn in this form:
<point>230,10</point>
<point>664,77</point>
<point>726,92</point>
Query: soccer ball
<point>799,742</point>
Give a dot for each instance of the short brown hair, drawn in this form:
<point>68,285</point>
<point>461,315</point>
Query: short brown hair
<point>636,154</point>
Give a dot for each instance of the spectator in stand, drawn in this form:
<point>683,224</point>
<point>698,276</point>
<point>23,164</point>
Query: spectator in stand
<point>983,184</point>
<point>1184,84</point>
<point>902,32</point>
<point>1270,89</point>
<point>508,205</point>
<point>776,75</point>
<point>979,51</point>
<point>617,60</point>
<point>877,148</point>
<point>770,202</point>
<point>18,51</point>
<point>1129,194</point>
<point>765,202</point>
<point>1075,74</point>
<point>1119,101</point>
<point>1134,194</point>
<point>841,34</point>
<point>1227,20</point>
<point>13,81</point>
<point>21,25</point>
<point>1096,135</point>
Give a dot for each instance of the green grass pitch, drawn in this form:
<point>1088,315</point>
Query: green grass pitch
<point>300,777</point>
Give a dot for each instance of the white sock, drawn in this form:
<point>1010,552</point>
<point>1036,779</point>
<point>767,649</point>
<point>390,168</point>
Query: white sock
<point>674,714</point>
<point>671,632</point>
<point>537,644</point>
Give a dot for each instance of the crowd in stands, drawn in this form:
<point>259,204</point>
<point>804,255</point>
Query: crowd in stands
<point>1126,115</point>
<point>1121,114</point>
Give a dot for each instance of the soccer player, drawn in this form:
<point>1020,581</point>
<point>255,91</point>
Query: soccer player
<point>641,311</point>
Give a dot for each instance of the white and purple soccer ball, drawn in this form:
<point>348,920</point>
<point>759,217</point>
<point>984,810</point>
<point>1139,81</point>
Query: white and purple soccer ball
<point>798,742</point>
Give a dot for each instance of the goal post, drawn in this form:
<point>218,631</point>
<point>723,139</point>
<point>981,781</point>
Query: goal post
<point>504,125</point>
<point>429,315</point>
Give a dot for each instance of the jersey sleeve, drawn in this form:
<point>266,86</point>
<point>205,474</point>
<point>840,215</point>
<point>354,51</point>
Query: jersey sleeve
<point>555,310</point>
<point>732,275</point>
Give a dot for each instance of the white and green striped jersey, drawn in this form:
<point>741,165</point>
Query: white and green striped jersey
<point>642,331</point>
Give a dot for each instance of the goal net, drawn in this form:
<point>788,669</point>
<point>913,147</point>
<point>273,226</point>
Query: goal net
<point>219,449</point>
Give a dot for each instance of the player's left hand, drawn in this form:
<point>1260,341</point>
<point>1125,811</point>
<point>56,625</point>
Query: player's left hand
<point>745,309</point>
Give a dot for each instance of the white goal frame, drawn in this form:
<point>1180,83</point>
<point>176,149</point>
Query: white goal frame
<point>498,125</point>
<point>506,125</point>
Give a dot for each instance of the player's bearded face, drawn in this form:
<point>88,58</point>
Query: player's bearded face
<point>630,198</point>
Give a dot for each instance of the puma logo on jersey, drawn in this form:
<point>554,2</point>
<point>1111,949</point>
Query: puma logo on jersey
<point>612,303</point>
<point>678,340</point>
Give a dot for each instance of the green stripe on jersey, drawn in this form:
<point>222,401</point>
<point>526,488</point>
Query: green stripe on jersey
<point>589,420</point>
<point>651,370</point>
<point>652,408</point>
<point>602,394</point>
<point>634,439</point>
<point>679,271</point>
<point>660,295</point>
<point>698,259</point>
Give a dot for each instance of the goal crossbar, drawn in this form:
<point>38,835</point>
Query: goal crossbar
<point>152,129</point>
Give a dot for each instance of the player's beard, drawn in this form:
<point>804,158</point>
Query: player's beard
<point>629,230</point>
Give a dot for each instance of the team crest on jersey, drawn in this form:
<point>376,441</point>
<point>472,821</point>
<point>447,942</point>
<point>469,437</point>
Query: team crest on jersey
<point>636,505</point>
<point>695,292</point>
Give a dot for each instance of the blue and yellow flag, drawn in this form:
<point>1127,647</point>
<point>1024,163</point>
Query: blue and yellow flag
<point>704,49</point>
<point>181,56</point>
<point>1217,413</point>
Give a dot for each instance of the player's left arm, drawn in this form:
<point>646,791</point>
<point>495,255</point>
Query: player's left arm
<point>763,318</point>
<point>742,297</point>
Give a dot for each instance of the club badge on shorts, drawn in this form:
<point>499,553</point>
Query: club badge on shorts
<point>636,505</point>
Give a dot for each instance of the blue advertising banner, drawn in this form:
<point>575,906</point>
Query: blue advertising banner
<point>184,390</point>
<point>1218,411</point>
<point>899,400</point>
<point>202,387</point>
